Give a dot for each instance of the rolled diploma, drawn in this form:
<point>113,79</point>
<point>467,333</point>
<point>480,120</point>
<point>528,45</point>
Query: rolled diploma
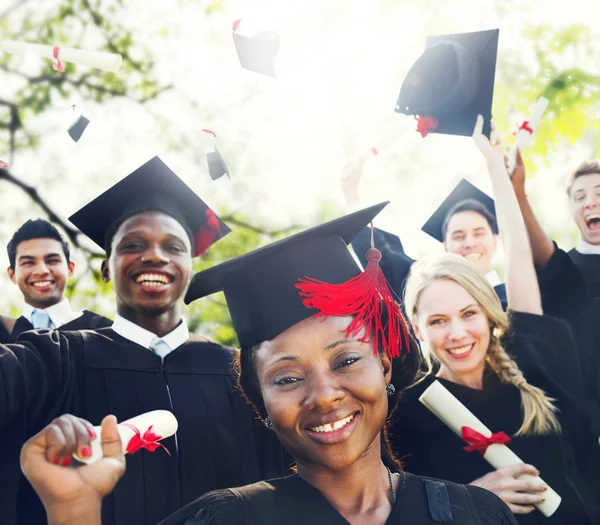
<point>455,415</point>
<point>163,423</point>
<point>97,59</point>
<point>523,136</point>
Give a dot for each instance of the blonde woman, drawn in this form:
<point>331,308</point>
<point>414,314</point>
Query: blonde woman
<point>517,372</point>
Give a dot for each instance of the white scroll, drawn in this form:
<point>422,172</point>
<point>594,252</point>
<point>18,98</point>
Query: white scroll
<point>143,431</point>
<point>455,415</point>
<point>97,59</point>
<point>525,132</point>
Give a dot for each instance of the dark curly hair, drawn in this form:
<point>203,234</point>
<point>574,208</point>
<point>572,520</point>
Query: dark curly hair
<point>404,372</point>
<point>35,229</point>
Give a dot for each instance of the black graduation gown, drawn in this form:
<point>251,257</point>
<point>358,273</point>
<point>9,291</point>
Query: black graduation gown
<point>395,264</point>
<point>544,350</point>
<point>589,266</point>
<point>292,501</point>
<point>566,295</point>
<point>86,321</point>
<point>94,373</point>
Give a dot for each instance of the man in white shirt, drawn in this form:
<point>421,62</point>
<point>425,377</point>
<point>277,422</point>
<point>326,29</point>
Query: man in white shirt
<point>40,266</point>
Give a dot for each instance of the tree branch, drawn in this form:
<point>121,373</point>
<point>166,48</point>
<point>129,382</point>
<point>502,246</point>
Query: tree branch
<point>72,233</point>
<point>232,220</point>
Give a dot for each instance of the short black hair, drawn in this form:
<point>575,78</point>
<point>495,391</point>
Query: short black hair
<point>35,229</point>
<point>470,205</point>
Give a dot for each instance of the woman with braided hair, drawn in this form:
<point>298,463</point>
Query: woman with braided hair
<point>518,372</point>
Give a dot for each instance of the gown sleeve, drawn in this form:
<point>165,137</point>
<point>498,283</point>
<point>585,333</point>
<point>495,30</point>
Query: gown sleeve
<point>37,378</point>
<point>394,263</point>
<point>220,507</point>
<point>490,508</point>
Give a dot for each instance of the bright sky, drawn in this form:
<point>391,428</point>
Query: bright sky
<point>340,67</point>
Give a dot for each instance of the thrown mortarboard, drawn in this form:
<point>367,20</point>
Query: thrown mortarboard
<point>311,273</point>
<point>461,194</point>
<point>216,165</point>
<point>257,52</point>
<point>151,187</point>
<point>451,83</point>
<point>78,127</point>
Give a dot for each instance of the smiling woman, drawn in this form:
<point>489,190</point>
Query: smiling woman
<point>325,354</point>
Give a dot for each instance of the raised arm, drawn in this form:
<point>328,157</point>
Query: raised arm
<point>541,245</point>
<point>521,281</point>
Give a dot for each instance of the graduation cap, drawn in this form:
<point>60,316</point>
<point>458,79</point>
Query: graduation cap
<point>257,52</point>
<point>464,194</point>
<point>151,187</point>
<point>216,165</point>
<point>311,273</point>
<point>451,83</point>
<point>78,127</point>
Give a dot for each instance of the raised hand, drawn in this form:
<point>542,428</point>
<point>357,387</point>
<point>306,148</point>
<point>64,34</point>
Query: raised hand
<point>519,494</point>
<point>518,176</point>
<point>490,148</point>
<point>71,493</point>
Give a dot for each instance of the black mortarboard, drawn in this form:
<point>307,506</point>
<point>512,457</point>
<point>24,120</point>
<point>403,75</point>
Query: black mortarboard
<point>260,286</point>
<point>151,187</point>
<point>216,165</point>
<point>258,52</point>
<point>463,193</point>
<point>78,127</point>
<point>452,82</point>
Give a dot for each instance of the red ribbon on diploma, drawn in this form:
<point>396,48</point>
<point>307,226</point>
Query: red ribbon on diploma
<point>526,127</point>
<point>207,233</point>
<point>426,125</point>
<point>149,440</point>
<point>59,65</point>
<point>481,443</point>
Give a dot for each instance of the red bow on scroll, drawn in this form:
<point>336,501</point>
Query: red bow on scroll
<point>481,443</point>
<point>149,440</point>
<point>526,127</point>
<point>206,235</point>
<point>59,65</point>
<point>426,125</point>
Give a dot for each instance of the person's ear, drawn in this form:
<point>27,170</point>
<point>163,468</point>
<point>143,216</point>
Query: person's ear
<point>105,271</point>
<point>11,275</point>
<point>71,267</point>
<point>386,364</point>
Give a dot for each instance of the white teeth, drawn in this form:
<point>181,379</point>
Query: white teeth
<point>460,350</point>
<point>152,279</point>
<point>42,284</point>
<point>336,425</point>
<point>592,216</point>
<point>473,256</point>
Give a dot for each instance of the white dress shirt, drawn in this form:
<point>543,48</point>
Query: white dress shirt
<point>143,337</point>
<point>493,278</point>
<point>587,248</point>
<point>59,313</point>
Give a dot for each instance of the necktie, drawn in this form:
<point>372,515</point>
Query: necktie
<point>159,347</point>
<point>40,319</point>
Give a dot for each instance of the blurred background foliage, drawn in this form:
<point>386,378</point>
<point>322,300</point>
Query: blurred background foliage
<point>560,61</point>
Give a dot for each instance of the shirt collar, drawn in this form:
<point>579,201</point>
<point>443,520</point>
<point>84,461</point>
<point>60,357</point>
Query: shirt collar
<point>59,313</point>
<point>493,278</point>
<point>143,337</point>
<point>587,248</point>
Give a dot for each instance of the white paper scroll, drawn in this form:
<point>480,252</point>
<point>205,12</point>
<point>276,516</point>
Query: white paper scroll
<point>158,422</point>
<point>97,59</point>
<point>525,132</point>
<point>455,415</point>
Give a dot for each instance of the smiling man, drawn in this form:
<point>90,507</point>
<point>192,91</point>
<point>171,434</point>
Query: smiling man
<point>151,225</point>
<point>40,265</point>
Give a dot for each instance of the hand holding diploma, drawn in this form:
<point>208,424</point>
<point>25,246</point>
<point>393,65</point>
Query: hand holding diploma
<point>110,62</point>
<point>525,133</point>
<point>458,417</point>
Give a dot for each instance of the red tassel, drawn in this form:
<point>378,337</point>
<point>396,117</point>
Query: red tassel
<point>364,297</point>
<point>206,235</point>
<point>426,125</point>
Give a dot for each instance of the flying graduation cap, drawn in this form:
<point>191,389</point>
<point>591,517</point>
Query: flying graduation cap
<point>216,165</point>
<point>464,193</point>
<point>257,53</point>
<point>151,187</point>
<point>78,127</point>
<point>451,83</point>
<point>308,274</point>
